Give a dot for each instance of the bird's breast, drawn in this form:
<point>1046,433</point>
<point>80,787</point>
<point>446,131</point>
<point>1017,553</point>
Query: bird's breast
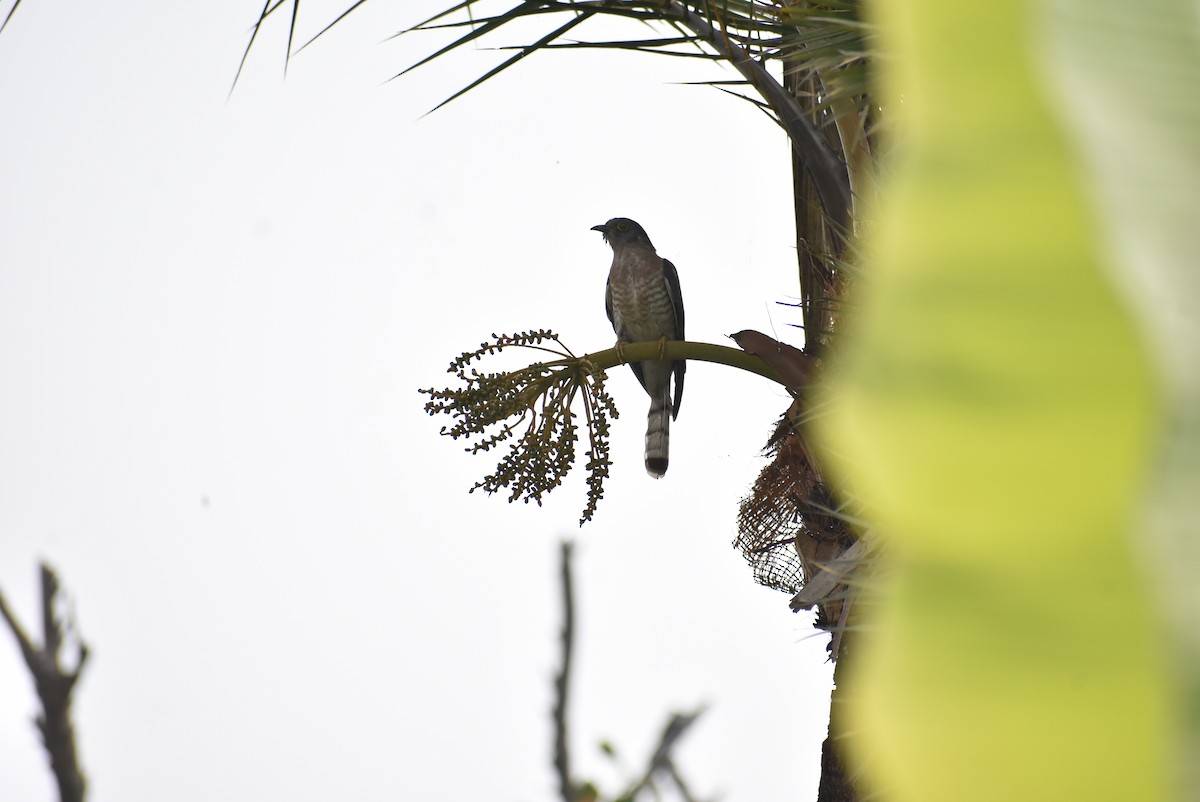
<point>641,299</point>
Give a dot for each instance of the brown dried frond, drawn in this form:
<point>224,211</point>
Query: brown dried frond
<point>790,525</point>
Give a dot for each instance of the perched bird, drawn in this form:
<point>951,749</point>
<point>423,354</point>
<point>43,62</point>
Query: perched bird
<point>644,303</point>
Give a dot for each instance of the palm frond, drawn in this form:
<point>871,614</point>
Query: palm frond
<point>287,56</point>
<point>525,51</point>
<point>9,15</point>
<point>267,10</point>
<point>481,27</point>
<point>823,101</point>
<point>658,47</point>
<point>827,38</point>
<point>336,20</point>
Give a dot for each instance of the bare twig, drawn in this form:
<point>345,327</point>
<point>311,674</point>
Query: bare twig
<point>684,791</point>
<point>660,761</point>
<point>54,686</point>
<point>562,763</point>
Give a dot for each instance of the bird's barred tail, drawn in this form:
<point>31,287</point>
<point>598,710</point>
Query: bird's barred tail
<point>658,435</point>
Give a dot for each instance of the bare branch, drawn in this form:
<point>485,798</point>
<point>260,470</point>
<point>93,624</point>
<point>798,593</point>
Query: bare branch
<point>679,349</point>
<point>684,791</point>
<point>54,687</point>
<point>660,761</point>
<point>562,763</point>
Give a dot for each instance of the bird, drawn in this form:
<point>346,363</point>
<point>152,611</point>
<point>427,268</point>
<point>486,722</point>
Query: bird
<point>644,303</point>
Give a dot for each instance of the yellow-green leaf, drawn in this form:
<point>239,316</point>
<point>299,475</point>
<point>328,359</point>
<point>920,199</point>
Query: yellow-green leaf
<point>994,411</point>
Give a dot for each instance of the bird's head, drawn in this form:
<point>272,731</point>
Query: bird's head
<point>623,231</point>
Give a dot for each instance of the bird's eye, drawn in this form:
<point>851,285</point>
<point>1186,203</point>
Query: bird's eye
<point>622,226</point>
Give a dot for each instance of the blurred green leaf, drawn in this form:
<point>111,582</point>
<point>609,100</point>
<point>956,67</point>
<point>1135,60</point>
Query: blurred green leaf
<point>993,408</point>
<point>1126,77</point>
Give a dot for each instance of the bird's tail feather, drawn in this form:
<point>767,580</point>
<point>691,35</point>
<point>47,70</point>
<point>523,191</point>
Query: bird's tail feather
<point>658,435</point>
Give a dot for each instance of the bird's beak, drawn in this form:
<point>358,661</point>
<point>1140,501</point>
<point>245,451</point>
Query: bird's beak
<point>599,228</point>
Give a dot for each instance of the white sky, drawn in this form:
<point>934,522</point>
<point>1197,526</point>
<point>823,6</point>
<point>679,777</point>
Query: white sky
<point>214,317</point>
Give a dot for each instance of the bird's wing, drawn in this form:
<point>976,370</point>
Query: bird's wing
<point>672,277</point>
<point>608,298</point>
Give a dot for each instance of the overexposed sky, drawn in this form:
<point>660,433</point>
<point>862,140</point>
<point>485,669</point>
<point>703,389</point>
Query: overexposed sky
<point>214,318</point>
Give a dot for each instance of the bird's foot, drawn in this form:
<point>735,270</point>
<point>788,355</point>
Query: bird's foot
<point>662,348</point>
<point>620,346</point>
